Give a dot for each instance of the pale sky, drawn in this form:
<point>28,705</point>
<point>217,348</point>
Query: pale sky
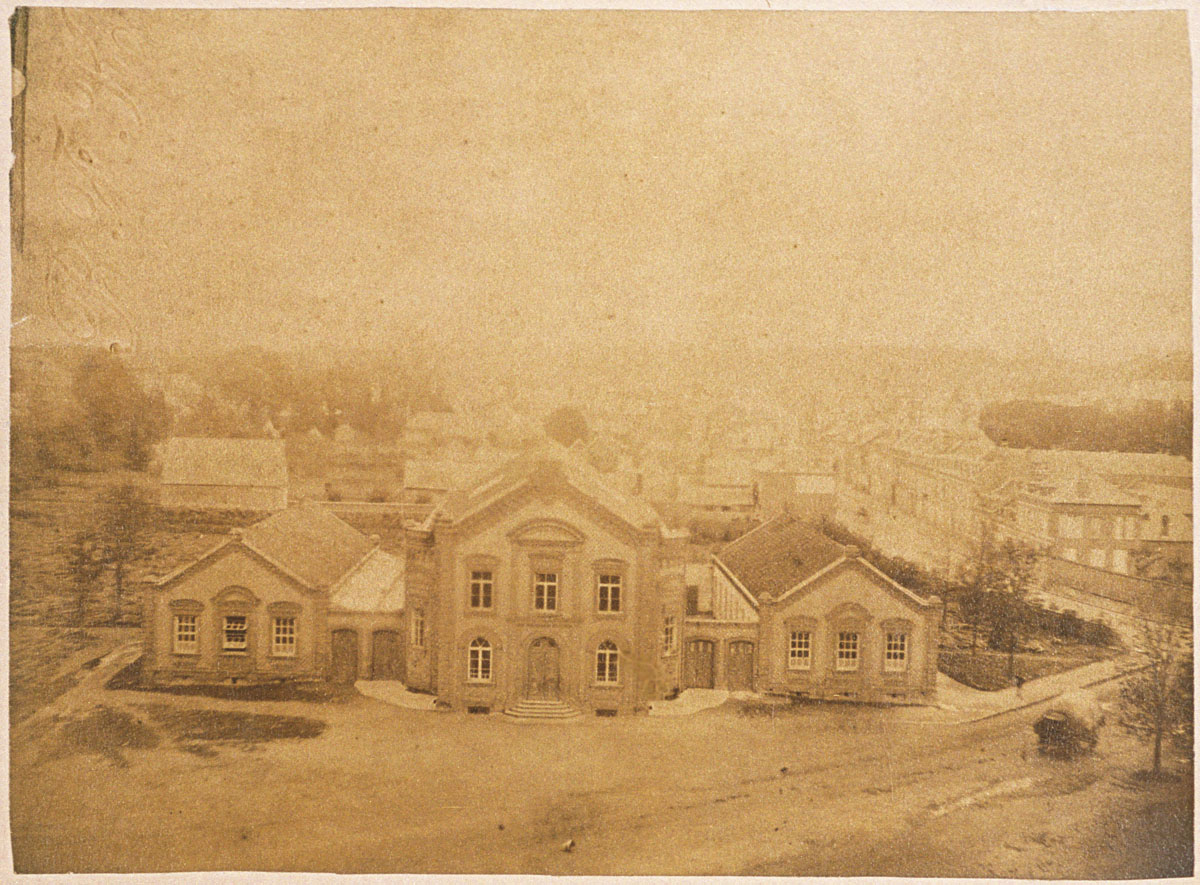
<point>608,178</point>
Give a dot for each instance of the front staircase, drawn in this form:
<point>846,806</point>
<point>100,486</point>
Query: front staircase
<point>531,709</point>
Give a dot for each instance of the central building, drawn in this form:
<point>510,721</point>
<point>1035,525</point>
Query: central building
<point>541,586</point>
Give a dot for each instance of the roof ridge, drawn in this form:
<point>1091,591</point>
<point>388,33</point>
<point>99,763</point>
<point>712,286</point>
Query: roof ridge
<point>346,575</point>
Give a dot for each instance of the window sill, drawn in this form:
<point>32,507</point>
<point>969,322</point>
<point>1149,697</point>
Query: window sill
<point>186,654</point>
<point>235,652</point>
<point>606,685</point>
<point>799,669</point>
<point>479,682</point>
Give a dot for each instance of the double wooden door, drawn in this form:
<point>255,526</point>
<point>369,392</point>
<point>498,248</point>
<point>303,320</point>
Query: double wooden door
<point>543,674</point>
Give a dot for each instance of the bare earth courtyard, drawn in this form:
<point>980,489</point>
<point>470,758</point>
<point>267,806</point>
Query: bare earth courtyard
<point>166,782</point>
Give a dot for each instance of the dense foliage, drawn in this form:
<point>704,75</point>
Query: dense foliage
<point>989,597</point>
<point>87,409</point>
<point>1145,427</point>
<point>81,409</point>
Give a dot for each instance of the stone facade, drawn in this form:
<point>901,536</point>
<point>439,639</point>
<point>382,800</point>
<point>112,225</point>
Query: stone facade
<point>233,582</point>
<point>853,599</point>
<point>543,593</point>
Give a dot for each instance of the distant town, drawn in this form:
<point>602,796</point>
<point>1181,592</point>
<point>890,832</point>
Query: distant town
<point>607,442</point>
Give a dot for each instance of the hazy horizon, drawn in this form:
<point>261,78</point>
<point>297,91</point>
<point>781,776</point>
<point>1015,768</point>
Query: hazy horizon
<point>592,182</point>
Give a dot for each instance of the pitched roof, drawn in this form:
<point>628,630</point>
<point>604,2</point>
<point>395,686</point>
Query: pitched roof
<point>376,584</point>
<point>1170,495</point>
<point>224,462</point>
<point>548,458</point>
<point>778,555</point>
<point>308,542</point>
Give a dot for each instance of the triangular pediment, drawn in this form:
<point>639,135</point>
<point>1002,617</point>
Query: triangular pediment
<point>547,531</point>
<point>551,479</point>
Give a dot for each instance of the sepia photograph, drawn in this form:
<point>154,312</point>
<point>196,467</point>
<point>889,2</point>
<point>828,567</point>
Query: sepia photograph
<point>673,442</point>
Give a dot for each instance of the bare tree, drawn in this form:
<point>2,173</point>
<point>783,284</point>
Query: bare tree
<point>1156,702</point>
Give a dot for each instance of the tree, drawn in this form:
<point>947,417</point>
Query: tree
<point>1156,702</point>
<point>1154,562</point>
<point>566,425</point>
<point>124,525</point>
<point>998,587</point>
<point>120,418</point>
<point>86,564</point>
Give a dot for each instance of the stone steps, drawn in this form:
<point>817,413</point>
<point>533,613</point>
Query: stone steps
<point>541,709</point>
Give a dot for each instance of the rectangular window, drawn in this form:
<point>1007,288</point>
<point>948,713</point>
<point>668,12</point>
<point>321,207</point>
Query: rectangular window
<point>545,592</point>
<point>1098,558</point>
<point>668,635</point>
<point>1071,553</point>
<point>1165,526</point>
<point>481,589</point>
<point>1121,561</point>
<point>847,651</point>
<point>895,651</point>
<point>283,637</point>
<point>1097,527</point>
<point>235,633</point>
<point>609,593</point>
<point>186,635</point>
<point>1070,526</point>
<point>800,650</point>
<point>418,628</point>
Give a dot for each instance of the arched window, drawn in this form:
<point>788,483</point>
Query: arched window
<point>607,661</point>
<point>479,661</point>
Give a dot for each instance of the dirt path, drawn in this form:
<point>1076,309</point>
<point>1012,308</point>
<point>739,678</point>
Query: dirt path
<point>834,790</point>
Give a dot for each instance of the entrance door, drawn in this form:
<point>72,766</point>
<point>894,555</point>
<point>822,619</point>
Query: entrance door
<point>698,664</point>
<point>345,656</point>
<point>740,666</point>
<point>387,660</point>
<point>542,682</point>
